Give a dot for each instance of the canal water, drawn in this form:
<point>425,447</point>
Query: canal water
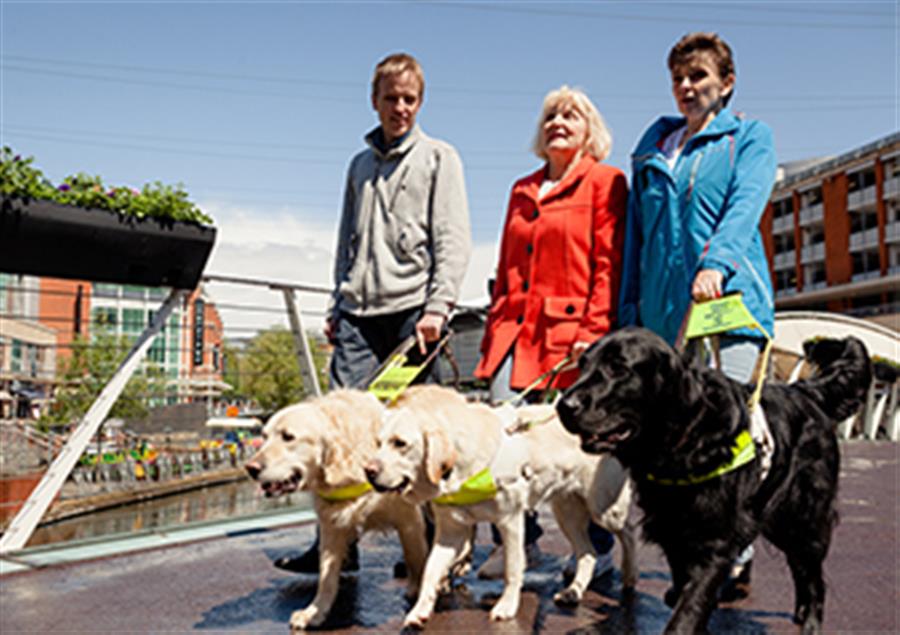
<point>217,502</point>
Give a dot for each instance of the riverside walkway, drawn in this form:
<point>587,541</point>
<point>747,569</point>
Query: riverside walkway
<point>219,577</point>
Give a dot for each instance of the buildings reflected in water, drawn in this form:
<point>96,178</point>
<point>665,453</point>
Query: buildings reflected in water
<point>230,500</point>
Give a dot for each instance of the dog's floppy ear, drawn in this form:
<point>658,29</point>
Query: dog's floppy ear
<point>337,462</point>
<point>440,455</point>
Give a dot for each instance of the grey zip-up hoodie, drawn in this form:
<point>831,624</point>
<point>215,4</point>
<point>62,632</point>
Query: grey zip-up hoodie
<point>404,238</point>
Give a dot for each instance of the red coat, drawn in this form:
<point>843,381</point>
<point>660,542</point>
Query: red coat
<point>558,276</point>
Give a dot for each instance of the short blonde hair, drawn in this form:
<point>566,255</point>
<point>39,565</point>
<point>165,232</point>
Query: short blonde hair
<point>599,140</point>
<point>397,64</point>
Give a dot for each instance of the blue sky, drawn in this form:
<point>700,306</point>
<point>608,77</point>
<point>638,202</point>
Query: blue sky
<point>257,107</point>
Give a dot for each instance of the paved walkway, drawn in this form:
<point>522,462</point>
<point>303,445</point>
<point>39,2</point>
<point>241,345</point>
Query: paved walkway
<point>230,585</point>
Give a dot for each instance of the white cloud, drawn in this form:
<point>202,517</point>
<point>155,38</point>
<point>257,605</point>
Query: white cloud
<point>282,246</point>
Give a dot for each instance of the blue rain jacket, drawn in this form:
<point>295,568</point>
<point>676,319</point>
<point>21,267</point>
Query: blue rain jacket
<point>703,214</point>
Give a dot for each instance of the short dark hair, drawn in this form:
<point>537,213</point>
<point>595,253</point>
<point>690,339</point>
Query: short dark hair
<point>711,43</point>
<point>700,42</point>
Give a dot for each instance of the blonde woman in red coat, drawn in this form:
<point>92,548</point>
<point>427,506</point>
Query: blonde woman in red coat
<point>558,274</point>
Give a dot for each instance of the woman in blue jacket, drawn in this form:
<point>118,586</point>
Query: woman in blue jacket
<point>700,183</point>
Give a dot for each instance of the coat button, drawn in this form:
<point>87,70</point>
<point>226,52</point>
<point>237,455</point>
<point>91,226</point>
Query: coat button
<point>536,214</point>
<point>525,286</point>
<point>520,319</point>
<point>570,309</point>
<point>529,248</point>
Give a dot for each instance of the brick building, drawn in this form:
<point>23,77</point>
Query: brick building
<point>41,317</point>
<point>832,233</point>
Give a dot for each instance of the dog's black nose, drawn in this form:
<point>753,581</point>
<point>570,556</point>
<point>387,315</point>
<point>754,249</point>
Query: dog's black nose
<point>253,469</point>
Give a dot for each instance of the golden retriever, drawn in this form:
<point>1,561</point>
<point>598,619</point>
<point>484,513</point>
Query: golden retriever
<point>321,446</point>
<point>433,441</point>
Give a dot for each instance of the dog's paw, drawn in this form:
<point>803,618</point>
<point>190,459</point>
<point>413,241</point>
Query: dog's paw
<point>416,618</point>
<point>303,619</point>
<point>505,609</point>
<point>568,597</point>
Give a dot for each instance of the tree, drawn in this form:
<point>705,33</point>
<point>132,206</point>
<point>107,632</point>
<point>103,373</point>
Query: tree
<point>268,371</point>
<point>91,365</point>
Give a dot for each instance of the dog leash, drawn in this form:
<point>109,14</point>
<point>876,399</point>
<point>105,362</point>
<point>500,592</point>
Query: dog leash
<point>516,400</point>
<point>710,319</point>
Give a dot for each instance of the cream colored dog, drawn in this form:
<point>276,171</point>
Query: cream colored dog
<point>321,446</point>
<point>433,442</point>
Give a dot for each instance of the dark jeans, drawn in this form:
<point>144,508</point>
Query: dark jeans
<point>362,344</point>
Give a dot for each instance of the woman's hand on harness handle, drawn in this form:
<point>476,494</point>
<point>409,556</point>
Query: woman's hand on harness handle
<point>428,329</point>
<point>707,285</point>
<point>578,349</point>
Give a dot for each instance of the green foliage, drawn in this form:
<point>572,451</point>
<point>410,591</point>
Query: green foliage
<point>267,371</point>
<point>18,179</point>
<point>84,374</point>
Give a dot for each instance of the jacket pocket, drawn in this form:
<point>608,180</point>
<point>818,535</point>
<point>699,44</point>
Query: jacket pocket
<point>412,243</point>
<point>561,317</point>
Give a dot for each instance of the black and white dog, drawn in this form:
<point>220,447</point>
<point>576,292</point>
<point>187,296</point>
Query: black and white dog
<point>676,427</point>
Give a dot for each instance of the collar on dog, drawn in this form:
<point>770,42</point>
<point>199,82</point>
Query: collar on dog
<point>476,489</point>
<point>742,452</point>
<point>345,493</point>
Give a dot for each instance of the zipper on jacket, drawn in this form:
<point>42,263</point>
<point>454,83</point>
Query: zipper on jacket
<point>695,167</point>
<point>759,280</point>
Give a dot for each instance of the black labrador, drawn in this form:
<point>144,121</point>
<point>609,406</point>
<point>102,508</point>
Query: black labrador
<point>677,427</point>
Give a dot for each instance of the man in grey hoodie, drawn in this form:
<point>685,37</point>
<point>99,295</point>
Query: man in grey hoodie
<point>404,238</point>
<point>403,243</point>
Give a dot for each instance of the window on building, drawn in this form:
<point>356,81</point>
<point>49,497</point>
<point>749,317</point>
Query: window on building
<point>891,167</point>
<point>5,280</point>
<point>862,220</point>
<point>103,290</point>
<point>104,316</point>
<point>133,292</point>
<point>810,197</point>
<point>861,179</point>
<point>813,235</point>
<point>785,279</point>
<point>15,360</point>
<point>157,352</point>
<point>782,207</point>
<point>816,273</point>
<point>133,321</point>
<point>866,262</point>
<point>784,242</point>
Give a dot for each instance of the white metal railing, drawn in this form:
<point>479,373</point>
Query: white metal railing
<point>61,468</point>
<point>892,232</point>
<point>865,275</point>
<point>861,198</point>
<point>785,259</point>
<point>892,187</point>
<point>812,214</point>
<point>865,239</point>
<point>812,253</point>
<point>782,224</point>
<point>787,291</point>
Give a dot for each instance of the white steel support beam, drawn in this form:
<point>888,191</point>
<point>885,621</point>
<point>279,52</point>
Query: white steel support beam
<point>26,521</point>
<point>893,421</point>
<point>301,345</point>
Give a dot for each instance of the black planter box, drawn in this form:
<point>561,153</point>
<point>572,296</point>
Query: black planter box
<point>44,238</point>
